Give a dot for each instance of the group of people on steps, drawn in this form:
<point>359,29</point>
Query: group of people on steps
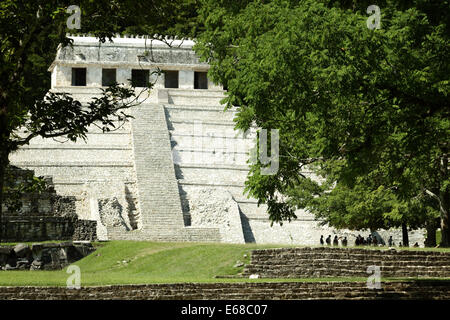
<point>359,241</point>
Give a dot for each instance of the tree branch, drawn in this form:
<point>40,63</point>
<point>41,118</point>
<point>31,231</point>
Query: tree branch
<point>433,195</point>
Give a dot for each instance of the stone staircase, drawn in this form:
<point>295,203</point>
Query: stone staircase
<point>348,262</point>
<point>194,97</point>
<point>158,190</point>
<point>405,290</point>
<point>161,217</point>
<point>208,154</point>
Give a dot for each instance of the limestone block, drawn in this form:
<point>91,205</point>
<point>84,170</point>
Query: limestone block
<point>209,157</point>
<point>54,77</point>
<point>157,79</point>
<point>123,75</point>
<point>186,79</point>
<point>45,256</point>
<point>201,114</point>
<point>111,213</point>
<point>94,76</point>
<point>183,98</point>
<point>22,250</point>
<point>36,249</point>
<point>110,203</point>
<point>212,175</point>
<point>163,97</point>
<point>213,208</point>
<point>62,155</point>
<point>63,76</point>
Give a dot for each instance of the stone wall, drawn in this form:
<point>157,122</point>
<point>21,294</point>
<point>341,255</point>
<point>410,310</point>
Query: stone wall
<point>340,262</point>
<point>42,256</point>
<point>210,208</point>
<point>439,290</point>
<point>43,203</point>
<point>98,172</point>
<point>85,230</point>
<point>36,228</point>
<point>43,215</point>
<point>43,228</point>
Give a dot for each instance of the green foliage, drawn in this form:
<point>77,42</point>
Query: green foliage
<point>139,262</point>
<point>176,18</point>
<point>60,115</point>
<point>368,110</point>
<point>14,189</point>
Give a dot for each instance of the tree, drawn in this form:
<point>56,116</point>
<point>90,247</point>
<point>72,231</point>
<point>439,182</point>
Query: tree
<point>30,32</point>
<point>367,109</point>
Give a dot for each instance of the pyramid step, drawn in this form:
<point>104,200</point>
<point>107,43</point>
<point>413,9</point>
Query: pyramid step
<point>180,114</point>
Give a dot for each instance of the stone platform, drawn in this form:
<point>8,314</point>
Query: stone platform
<point>347,262</point>
<point>409,290</point>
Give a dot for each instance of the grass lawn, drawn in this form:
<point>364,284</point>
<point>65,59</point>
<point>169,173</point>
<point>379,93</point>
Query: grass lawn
<point>135,262</point>
<point>141,262</point>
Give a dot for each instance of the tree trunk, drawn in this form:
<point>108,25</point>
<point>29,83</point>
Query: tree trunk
<point>2,176</point>
<point>431,228</point>
<point>4,150</point>
<point>3,164</point>
<point>405,235</point>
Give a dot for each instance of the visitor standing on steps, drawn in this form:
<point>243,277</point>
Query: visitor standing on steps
<point>335,241</point>
<point>390,241</point>
<point>369,239</point>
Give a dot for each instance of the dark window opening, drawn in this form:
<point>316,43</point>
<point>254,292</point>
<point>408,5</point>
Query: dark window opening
<point>108,77</point>
<point>200,80</point>
<point>78,76</point>
<point>171,79</point>
<point>140,78</point>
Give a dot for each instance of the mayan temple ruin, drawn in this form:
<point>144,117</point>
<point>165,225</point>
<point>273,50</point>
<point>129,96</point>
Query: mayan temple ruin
<point>176,171</point>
